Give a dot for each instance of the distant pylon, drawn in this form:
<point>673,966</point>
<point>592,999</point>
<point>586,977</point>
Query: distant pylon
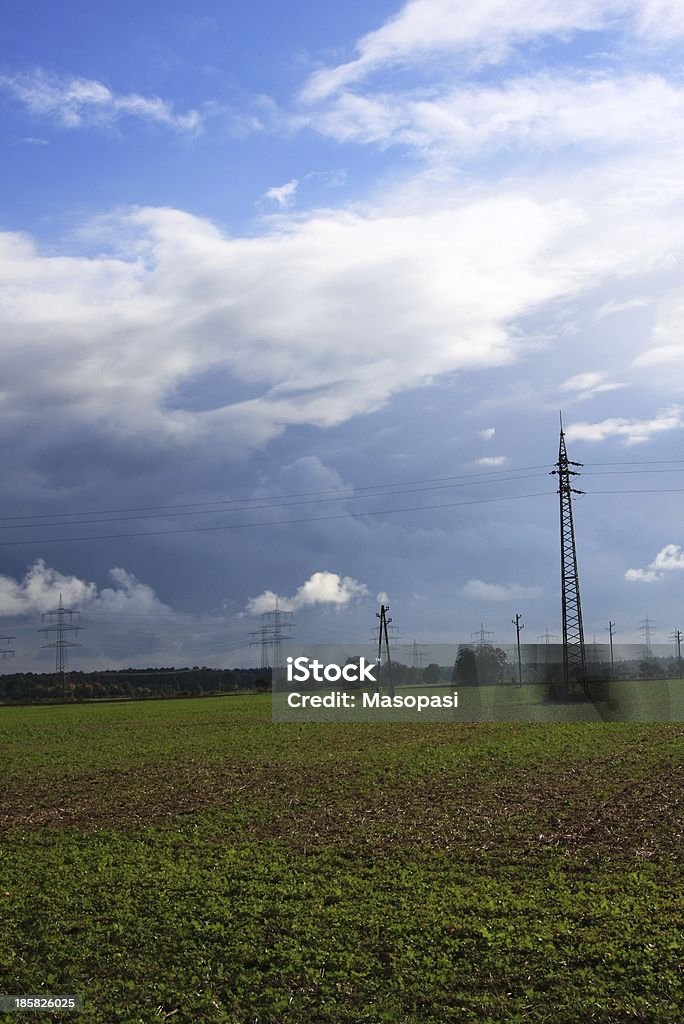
<point>275,629</point>
<point>7,652</point>
<point>484,636</point>
<point>645,627</point>
<point>61,622</point>
<point>264,649</point>
<point>262,634</point>
<point>677,637</point>
<point>574,658</point>
<point>547,638</point>
<point>416,651</point>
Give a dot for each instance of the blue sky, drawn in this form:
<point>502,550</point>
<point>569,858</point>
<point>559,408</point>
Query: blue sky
<point>287,253</point>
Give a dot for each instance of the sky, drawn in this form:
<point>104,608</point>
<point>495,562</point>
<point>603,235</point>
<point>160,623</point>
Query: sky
<point>306,286</point>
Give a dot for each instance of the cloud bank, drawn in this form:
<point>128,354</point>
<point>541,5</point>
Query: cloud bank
<point>40,588</point>
<point>486,33</point>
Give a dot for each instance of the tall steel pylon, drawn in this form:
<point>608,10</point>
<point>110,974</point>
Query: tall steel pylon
<point>574,658</point>
<point>263,638</point>
<point>61,622</point>
<point>275,628</point>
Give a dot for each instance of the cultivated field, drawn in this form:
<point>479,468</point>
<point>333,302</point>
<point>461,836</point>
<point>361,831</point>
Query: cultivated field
<point>191,861</point>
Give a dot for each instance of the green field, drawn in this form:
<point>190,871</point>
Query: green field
<point>191,861</point>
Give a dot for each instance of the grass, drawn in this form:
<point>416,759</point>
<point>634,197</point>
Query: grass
<point>192,861</point>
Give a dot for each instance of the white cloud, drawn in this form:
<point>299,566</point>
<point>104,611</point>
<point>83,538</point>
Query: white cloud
<point>482,591</point>
<point>586,385</point>
<point>669,559</point>
<point>487,31</point>
<point>182,299</point>
<point>633,431</point>
<point>31,140</point>
<point>488,433</point>
<point>79,102</point>
<point>107,340</point>
<point>611,308</point>
<point>581,382</point>
<point>492,460</point>
<point>283,195</point>
<point>41,587</point>
<point>321,588</point>
<point>535,112</point>
<point>667,338</point>
<point>382,598</point>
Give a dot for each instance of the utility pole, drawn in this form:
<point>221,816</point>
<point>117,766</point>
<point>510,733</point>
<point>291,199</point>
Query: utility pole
<point>518,626</point>
<point>574,658</point>
<point>611,632</point>
<point>61,622</point>
<point>383,636</point>
<point>677,637</point>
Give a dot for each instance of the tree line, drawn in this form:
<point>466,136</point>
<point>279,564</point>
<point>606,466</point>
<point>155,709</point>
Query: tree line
<point>34,687</point>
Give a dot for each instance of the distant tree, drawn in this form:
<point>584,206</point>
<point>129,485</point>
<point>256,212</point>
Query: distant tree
<point>491,664</point>
<point>465,668</point>
<point>432,674</point>
<point>649,669</point>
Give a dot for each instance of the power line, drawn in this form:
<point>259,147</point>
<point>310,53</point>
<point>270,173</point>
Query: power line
<point>200,507</point>
<point>496,473</point>
<point>277,522</point>
<point>271,505</point>
<point>315,519</point>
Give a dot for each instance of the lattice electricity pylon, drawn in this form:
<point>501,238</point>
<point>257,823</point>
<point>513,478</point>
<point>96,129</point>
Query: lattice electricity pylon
<point>677,637</point>
<point>61,622</point>
<point>416,651</point>
<point>276,627</point>
<point>7,652</point>
<point>645,627</point>
<point>262,634</point>
<point>484,637</point>
<point>574,658</point>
